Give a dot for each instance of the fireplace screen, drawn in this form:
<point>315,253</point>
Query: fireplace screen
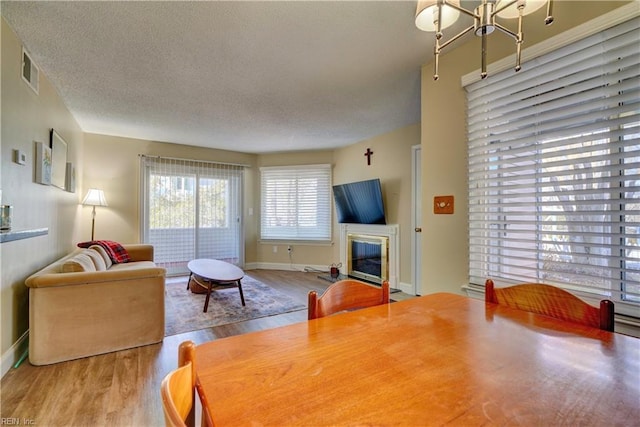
<point>367,257</point>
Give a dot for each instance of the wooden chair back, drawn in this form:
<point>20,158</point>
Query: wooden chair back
<point>345,295</point>
<point>178,389</point>
<point>552,301</point>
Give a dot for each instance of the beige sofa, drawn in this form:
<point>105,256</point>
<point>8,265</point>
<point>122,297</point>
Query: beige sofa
<point>82,306</point>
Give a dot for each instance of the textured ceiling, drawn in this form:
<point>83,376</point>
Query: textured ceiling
<point>252,77</point>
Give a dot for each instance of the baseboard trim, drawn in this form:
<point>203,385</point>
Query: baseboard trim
<point>320,269</point>
<point>473,291</point>
<point>407,288</point>
<point>11,356</point>
<point>286,267</point>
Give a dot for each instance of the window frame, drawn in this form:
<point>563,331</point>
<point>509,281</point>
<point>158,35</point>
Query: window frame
<point>316,209</point>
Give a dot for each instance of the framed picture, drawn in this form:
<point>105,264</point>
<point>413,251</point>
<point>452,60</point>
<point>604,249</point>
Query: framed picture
<point>71,178</point>
<point>43,164</point>
<point>59,160</point>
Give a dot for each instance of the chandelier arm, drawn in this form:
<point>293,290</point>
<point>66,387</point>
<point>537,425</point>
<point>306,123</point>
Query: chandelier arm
<point>439,25</point>
<point>456,37</point>
<point>436,61</point>
<point>518,67</point>
<point>519,43</point>
<point>549,19</point>
<point>483,61</point>
<point>507,31</point>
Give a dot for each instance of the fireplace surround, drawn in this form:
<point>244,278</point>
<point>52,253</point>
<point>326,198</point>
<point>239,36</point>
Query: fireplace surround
<point>369,239</point>
<point>367,257</point>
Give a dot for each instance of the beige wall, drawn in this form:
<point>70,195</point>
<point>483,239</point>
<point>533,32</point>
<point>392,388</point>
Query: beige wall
<point>113,165</point>
<point>391,162</point>
<point>302,254</point>
<point>444,155</point>
<point>28,117</point>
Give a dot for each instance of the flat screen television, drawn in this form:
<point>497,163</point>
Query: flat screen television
<point>359,202</point>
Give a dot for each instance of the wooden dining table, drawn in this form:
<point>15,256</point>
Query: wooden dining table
<point>431,360</point>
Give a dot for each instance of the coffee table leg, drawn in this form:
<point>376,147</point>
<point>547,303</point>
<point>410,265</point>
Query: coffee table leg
<point>241,294</point>
<point>189,281</point>
<point>206,301</point>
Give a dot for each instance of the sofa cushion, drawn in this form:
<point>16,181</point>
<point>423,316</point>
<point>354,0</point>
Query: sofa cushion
<point>103,254</point>
<point>135,265</point>
<point>78,263</point>
<point>98,262</point>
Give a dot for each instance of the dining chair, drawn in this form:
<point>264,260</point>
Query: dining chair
<point>178,389</point>
<point>346,295</point>
<point>552,301</point>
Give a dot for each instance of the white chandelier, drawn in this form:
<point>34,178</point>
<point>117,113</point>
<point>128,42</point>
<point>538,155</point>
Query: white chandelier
<point>436,15</point>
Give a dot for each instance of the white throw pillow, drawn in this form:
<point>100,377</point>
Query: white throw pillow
<point>105,256</point>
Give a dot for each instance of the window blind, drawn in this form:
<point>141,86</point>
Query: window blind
<point>296,203</point>
<point>191,209</point>
<point>554,169</point>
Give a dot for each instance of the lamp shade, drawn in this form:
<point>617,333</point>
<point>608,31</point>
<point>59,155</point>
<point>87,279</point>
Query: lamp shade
<point>512,11</point>
<point>427,15</point>
<point>94,197</point>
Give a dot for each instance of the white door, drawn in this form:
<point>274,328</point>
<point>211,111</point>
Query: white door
<point>416,219</point>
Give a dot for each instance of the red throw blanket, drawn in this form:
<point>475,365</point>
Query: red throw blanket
<point>116,252</point>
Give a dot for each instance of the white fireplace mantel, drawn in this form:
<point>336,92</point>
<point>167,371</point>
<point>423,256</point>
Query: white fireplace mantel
<point>391,231</point>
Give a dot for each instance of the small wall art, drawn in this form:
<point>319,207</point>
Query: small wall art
<point>71,178</point>
<point>59,160</point>
<point>43,164</point>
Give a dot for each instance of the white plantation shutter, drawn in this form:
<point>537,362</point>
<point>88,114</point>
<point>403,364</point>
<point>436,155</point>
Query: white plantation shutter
<point>554,169</point>
<point>296,203</point>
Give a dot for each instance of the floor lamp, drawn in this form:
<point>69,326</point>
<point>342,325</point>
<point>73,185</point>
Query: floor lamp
<point>94,198</point>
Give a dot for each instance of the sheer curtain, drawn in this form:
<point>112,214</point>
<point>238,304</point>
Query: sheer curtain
<point>191,209</point>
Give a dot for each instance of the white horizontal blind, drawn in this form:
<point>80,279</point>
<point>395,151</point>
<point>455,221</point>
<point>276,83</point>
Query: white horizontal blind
<point>296,203</point>
<point>554,169</point>
<point>191,209</point>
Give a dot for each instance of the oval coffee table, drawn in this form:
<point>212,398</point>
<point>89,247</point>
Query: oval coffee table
<point>217,273</point>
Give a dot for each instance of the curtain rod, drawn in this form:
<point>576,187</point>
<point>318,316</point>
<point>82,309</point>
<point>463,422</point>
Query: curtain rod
<point>194,160</point>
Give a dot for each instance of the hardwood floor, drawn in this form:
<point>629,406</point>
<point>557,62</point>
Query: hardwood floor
<point>122,388</point>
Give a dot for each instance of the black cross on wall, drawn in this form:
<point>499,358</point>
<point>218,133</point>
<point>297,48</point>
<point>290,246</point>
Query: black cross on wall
<point>369,153</point>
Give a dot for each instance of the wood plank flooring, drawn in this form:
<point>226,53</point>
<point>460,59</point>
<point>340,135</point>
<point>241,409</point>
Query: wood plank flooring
<point>122,388</point>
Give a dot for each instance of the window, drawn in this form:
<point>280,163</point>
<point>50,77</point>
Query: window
<point>296,203</point>
<point>554,170</point>
<point>191,209</point>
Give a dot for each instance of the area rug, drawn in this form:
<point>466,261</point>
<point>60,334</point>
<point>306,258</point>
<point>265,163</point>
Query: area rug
<point>183,309</point>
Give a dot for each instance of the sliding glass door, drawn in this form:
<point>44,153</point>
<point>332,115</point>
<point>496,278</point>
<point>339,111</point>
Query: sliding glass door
<point>191,210</point>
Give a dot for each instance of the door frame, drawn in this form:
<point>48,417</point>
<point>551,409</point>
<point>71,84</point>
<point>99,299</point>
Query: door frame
<point>416,218</point>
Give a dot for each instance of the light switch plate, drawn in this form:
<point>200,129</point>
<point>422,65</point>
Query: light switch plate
<point>19,157</point>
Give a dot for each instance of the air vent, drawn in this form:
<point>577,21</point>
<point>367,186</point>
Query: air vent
<point>30,71</point>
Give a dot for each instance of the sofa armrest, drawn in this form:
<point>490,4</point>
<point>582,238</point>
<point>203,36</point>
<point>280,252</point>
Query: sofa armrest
<point>72,279</point>
<point>139,251</point>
